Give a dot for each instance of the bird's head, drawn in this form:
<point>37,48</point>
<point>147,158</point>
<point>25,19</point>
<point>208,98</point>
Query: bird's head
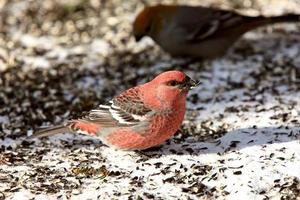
<point>175,82</point>
<point>149,21</point>
<point>167,89</point>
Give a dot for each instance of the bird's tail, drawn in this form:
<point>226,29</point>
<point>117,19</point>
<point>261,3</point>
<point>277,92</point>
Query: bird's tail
<point>284,18</point>
<point>254,22</point>
<point>50,131</point>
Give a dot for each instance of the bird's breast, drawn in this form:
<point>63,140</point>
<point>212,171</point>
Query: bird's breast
<point>161,127</point>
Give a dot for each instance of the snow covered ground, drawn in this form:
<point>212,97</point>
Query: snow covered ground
<point>240,138</point>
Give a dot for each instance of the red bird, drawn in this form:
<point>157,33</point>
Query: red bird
<point>141,117</point>
<point>197,31</point>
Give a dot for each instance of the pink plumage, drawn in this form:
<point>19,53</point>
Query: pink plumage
<point>139,118</point>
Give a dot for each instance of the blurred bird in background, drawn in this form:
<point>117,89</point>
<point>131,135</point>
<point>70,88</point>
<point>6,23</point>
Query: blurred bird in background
<point>139,118</point>
<point>197,32</point>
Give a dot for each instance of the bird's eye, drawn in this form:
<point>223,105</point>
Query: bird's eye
<point>173,83</point>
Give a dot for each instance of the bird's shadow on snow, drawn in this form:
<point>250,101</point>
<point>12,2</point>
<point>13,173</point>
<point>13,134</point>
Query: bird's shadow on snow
<point>237,139</point>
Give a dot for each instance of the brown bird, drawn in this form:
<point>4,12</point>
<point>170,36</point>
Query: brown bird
<point>197,32</point>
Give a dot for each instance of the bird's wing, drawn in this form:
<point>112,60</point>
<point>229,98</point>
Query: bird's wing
<point>217,22</point>
<point>127,109</point>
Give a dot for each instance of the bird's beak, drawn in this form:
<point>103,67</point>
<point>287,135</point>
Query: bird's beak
<point>191,84</point>
<point>137,37</point>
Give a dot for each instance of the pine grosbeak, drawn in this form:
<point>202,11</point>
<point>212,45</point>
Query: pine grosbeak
<point>197,31</point>
<point>139,118</point>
